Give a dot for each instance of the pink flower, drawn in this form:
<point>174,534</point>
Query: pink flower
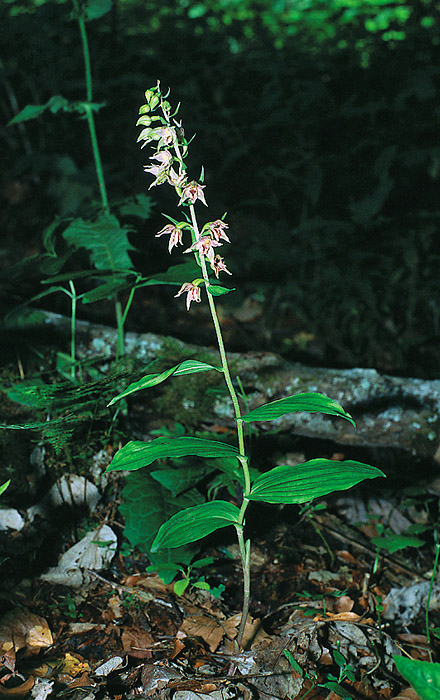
<point>164,157</point>
<point>192,292</point>
<point>175,179</point>
<point>166,135</point>
<point>204,246</point>
<point>175,235</point>
<point>159,172</point>
<point>219,266</point>
<point>216,229</point>
<point>193,191</point>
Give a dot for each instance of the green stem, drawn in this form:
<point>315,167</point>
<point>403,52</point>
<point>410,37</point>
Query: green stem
<point>244,547</point>
<point>89,113</point>
<point>119,330</point>
<point>72,329</point>
<point>87,106</point>
<point>431,585</point>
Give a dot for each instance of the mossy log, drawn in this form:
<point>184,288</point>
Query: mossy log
<point>399,412</point>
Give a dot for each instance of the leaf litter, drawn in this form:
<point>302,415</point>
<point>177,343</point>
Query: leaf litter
<point>109,629</point>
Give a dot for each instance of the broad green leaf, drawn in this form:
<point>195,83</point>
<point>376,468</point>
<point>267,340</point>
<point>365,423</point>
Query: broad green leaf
<point>149,380</point>
<point>394,543</point>
<point>97,8</point>
<point>194,523</point>
<point>181,586</point>
<point>338,689</point>
<point>304,482</point>
<point>104,238</point>
<point>180,480</point>
<point>311,402</point>
<point>107,290</point>
<point>137,454</point>
<point>4,486</point>
<point>216,290</point>
<point>424,676</point>
<point>177,274</point>
<point>145,506</point>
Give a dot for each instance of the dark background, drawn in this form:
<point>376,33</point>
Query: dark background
<point>317,124</point>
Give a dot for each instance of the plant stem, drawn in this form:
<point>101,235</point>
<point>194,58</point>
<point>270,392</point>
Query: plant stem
<point>243,546</point>
<point>89,113</point>
<point>88,110</point>
<point>431,584</point>
<point>72,329</point>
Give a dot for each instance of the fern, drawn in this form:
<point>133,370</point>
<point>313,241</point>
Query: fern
<point>105,239</point>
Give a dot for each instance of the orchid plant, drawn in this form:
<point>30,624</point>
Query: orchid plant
<point>284,484</point>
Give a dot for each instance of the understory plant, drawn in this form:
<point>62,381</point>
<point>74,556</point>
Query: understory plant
<point>284,484</point>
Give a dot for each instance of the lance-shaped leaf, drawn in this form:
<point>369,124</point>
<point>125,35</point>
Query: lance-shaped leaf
<point>216,290</point>
<point>137,454</point>
<point>194,523</point>
<point>149,380</point>
<point>304,482</point>
<point>311,402</point>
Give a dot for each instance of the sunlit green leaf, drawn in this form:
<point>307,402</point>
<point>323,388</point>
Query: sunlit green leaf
<point>4,486</point>
<point>304,482</point>
<point>149,380</point>
<point>194,523</point>
<point>97,8</point>
<point>137,454</point>
<point>311,402</point>
<point>105,240</point>
<point>424,676</point>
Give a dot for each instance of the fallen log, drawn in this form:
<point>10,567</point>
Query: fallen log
<point>399,412</point>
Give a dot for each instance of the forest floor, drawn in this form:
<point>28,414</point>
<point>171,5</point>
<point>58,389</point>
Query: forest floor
<point>336,592</point>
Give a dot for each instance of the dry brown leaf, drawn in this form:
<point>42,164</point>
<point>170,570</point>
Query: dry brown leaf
<point>21,629</point>
<point>407,694</point>
<point>253,632</point>
<point>197,624</point>
<point>137,642</point>
<point>344,604</point>
<point>343,616</point>
<point>18,691</point>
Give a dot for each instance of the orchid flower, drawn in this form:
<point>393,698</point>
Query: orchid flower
<point>175,234</point>
<point>204,246</point>
<point>219,266</point>
<point>216,229</point>
<point>193,191</point>
<point>192,293</point>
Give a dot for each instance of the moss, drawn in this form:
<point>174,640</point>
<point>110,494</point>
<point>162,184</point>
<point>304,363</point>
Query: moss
<point>186,399</point>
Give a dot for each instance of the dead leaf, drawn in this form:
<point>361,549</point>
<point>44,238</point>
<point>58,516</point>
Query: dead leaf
<point>253,633</point>
<point>21,629</point>
<point>407,694</point>
<point>197,624</point>
<point>344,604</point>
<point>19,691</point>
<point>137,642</point>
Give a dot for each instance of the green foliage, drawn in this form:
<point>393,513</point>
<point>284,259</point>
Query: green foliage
<point>312,479</point>
<point>4,486</point>
<point>137,454</point>
<point>423,676</point>
<point>145,506</point>
<point>193,523</point>
<point>104,238</point>
<point>309,402</point>
<point>150,380</point>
